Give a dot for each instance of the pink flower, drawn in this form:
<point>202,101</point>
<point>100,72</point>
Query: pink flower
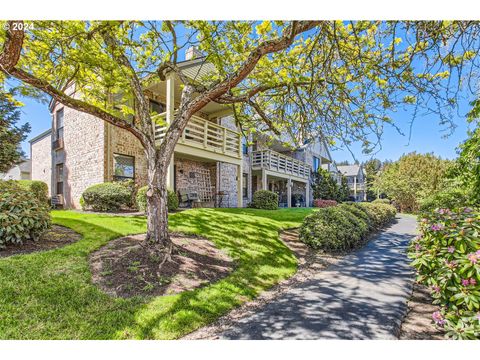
<point>473,282</point>
<point>450,264</point>
<point>451,249</point>
<point>473,257</point>
<point>436,289</point>
<point>465,282</point>
<point>467,210</point>
<point>438,318</point>
<point>437,227</point>
<point>478,316</point>
<point>417,247</point>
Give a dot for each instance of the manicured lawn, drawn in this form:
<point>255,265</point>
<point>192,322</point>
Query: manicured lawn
<point>49,295</point>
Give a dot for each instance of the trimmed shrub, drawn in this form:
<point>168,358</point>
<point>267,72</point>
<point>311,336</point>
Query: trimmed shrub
<point>39,188</point>
<point>379,214</point>
<point>265,199</point>
<point>450,198</point>
<point>320,203</point>
<point>172,201</point>
<point>22,215</point>
<point>381,201</point>
<point>333,229</point>
<point>345,226</point>
<point>446,256</point>
<point>108,196</point>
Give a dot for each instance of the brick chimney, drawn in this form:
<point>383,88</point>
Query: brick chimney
<point>192,53</point>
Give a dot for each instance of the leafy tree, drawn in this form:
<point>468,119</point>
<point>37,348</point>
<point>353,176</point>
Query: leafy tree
<point>412,178</point>
<point>10,134</point>
<point>343,190</point>
<point>372,168</point>
<point>324,185</point>
<point>335,79</point>
<point>467,167</point>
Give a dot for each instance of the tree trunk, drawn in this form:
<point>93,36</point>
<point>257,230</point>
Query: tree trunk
<point>157,209</point>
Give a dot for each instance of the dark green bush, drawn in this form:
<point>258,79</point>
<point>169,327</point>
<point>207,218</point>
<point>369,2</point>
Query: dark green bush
<point>381,201</point>
<point>450,198</point>
<point>39,188</point>
<point>109,196</point>
<point>142,199</point>
<point>333,229</point>
<point>379,214</point>
<point>22,215</point>
<point>345,226</point>
<point>265,199</point>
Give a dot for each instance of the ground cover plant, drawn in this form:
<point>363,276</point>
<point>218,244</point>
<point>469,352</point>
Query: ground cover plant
<point>54,287</point>
<point>446,256</point>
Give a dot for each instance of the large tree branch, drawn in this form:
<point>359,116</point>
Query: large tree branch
<point>8,60</point>
<point>12,47</point>
<point>266,47</point>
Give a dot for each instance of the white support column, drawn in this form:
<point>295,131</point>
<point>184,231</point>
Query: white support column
<point>239,186</point>
<point>355,187</point>
<point>264,180</point>
<point>307,194</point>
<point>289,193</point>
<point>170,108</point>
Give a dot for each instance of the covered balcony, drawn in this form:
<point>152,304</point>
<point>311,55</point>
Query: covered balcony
<point>281,164</point>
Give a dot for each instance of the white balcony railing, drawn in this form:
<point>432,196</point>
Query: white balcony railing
<point>206,135</point>
<point>272,160</point>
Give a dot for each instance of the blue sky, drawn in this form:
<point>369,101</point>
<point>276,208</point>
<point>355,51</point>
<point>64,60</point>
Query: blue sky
<point>427,134</point>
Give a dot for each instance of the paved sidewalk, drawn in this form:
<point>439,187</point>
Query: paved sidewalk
<point>363,296</point>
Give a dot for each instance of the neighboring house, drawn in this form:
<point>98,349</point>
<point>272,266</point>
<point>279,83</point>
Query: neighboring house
<point>211,160</point>
<point>18,172</point>
<point>355,175</point>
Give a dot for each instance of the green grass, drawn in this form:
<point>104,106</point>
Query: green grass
<point>49,295</point>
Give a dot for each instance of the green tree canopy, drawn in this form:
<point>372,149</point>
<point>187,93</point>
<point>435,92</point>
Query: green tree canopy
<point>11,135</point>
<point>412,178</point>
<point>324,185</point>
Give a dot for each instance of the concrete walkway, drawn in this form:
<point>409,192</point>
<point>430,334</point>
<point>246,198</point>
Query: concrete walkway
<point>362,297</point>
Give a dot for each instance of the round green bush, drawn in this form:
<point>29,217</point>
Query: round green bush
<point>358,212</point>
<point>381,201</point>
<point>172,201</point>
<point>265,199</point>
<point>39,188</point>
<point>332,229</point>
<point>22,215</point>
<point>379,214</point>
<point>108,196</point>
<point>451,198</point>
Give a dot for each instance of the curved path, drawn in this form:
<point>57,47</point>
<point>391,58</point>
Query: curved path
<point>363,296</point>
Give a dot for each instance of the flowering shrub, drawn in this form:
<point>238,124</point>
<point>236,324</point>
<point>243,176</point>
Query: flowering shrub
<point>324,203</point>
<point>446,255</point>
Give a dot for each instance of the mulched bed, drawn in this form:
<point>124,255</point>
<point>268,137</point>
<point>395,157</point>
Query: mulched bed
<point>57,236</point>
<point>418,324</point>
<point>309,262</point>
<point>124,268</point>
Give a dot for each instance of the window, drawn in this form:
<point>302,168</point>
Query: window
<point>316,164</point>
<point>59,177</point>
<point>156,107</point>
<point>124,167</point>
<point>245,148</point>
<point>59,123</point>
<point>245,186</point>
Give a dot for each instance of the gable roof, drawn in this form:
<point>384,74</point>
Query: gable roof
<point>40,136</point>
<point>349,170</point>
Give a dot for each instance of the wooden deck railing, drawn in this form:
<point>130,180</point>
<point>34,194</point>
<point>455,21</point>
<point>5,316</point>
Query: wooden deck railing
<point>204,134</point>
<point>272,160</point>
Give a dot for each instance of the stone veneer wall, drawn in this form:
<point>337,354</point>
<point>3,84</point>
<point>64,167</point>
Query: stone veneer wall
<point>184,167</point>
<point>41,155</point>
<point>83,154</point>
<point>120,141</point>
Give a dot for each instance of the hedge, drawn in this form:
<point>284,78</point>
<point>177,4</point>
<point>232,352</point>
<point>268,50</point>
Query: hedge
<point>345,226</point>
<point>23,215</point>
<point>39,188</point>
<point>172,201</point>
<point>265,199</point>
<point>381,201</point>
<point>108,196</point>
